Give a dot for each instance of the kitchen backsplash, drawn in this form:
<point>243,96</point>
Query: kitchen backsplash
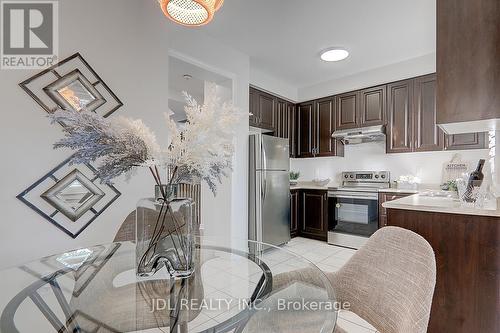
<point>371,156</point>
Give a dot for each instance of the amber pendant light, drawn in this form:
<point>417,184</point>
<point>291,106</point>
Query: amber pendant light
<point>190,12</point>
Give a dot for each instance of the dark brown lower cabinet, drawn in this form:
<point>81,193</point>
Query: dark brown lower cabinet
<point>294,213</point>
<point>467,248</point>
<point>314,214</point>
<point>382,212</point>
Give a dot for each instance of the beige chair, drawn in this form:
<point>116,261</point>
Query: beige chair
<point>389,282</point>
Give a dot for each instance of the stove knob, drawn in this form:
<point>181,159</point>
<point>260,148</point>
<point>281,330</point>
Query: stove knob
<point>346,176</point>
<point>383,176</point>
<point>377,176</point>
<point>351,176</point>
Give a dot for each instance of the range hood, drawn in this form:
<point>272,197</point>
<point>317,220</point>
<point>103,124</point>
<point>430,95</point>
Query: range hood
<point>360,135</point>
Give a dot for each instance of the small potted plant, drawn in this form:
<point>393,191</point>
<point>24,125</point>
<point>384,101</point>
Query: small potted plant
<point>294,177</point>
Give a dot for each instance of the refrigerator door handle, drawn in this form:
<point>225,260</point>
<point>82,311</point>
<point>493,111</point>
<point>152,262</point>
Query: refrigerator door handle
<point>264,186</point>
<point>264,157</point>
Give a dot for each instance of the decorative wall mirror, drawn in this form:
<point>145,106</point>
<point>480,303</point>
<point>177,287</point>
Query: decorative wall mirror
<point>74,91</point>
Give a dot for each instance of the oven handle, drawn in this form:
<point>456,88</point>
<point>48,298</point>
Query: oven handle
<point>352,196</point>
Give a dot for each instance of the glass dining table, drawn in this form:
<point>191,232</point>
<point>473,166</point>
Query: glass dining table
<point>233,289</point>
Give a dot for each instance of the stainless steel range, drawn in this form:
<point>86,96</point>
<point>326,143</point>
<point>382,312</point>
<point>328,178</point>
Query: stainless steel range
<point>354,207</point>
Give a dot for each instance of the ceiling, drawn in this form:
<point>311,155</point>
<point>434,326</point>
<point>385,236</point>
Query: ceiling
<point>285,37</point>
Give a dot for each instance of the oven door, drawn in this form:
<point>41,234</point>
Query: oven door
<point>355,213</point>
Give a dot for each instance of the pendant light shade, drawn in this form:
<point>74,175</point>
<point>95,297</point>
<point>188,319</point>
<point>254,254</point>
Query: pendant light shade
<point>190,12</point>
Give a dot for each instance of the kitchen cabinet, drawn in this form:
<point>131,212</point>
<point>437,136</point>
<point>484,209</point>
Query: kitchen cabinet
<point>361,108</point>
<point>325,126</point>
<point>427,135</point>
<point>347,110</point>
<point>382,212</point>
<point>263,108</point>
<point>267,104</point>
<point>314,214</point>
<point>285,119</point>
<point>254,107</point>
<point>305,129</point>
<point>400,117</point>
<point>466,141</point>
<point>292,132</point>
<point>274,114</point>
<point>412,126</point>
<point>294,213</point>
<point>373,102</point>
<point>468,65</point>
<point>467,251</point>
<point>316,123</point>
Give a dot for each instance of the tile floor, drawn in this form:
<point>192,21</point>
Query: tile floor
<point>218,279</point>
<point>330,258</point>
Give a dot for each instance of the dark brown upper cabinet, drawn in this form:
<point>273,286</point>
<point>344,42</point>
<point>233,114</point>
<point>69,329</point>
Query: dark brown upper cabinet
<point>254,107</point>
<point>316,123</point>
<point>305,129</point>
<point>373,103</point>
<point>427,135</point>
<point>262,109</point>
<point>468,60</point>
<point>466,141</point>
<point>400,116</point>
<point>325,126</point>
<point>267,104</point>
<point>347,106</point>
<point>292,132</point>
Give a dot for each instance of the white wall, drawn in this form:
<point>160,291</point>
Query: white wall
<point>127,42</point>
<point>412,67</point>
<point>269,83</point>
<point>371,157</point>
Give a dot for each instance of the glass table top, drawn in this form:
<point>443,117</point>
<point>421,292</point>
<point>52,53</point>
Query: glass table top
<point>96,290</point>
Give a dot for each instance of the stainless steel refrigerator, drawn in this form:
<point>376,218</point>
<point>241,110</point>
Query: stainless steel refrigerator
<point>269,184</point>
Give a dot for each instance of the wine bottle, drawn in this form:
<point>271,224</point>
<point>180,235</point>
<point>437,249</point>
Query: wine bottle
<point>475,180</point>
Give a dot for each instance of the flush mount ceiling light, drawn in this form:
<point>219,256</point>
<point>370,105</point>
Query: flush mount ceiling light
<point>190,12</point>
<point>334,54</point>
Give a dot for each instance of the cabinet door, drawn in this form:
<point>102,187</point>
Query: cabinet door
<point>294,213</point>
<point>466,141</point>
<point>428,136</point>
<point>279,118</point>
<point>314,214</point>
<point>373,102</point>
<point>254,108</point>
<point>305,135</point>
<point>292,128</point>
<point>324,117</point>
<point>399,117</point>
<point>267,106</point>
<point>347,110</point>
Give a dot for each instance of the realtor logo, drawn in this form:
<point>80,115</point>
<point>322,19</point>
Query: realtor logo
<point>29,34</point>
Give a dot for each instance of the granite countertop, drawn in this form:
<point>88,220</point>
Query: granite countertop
<point>419,202</point>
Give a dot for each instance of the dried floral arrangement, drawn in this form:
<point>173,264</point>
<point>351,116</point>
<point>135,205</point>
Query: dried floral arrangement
<point>201,150</point>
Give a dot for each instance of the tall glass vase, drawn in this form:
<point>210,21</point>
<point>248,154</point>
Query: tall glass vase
<point>165,234</point>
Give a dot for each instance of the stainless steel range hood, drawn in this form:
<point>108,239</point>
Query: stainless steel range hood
<point>360,135</point>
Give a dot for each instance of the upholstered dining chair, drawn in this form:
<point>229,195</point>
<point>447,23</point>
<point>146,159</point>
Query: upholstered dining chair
<point>389,282</point>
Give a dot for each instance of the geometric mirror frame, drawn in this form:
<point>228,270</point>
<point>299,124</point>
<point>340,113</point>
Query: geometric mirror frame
<point>70,197</point>
<point>73,195</point>
<point>74,91</point>
<point>72,84</point>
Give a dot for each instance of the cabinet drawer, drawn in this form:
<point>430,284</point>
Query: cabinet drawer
<point>384,197</point>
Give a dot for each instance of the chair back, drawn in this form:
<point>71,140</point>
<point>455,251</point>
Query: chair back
<point>390,281</point>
